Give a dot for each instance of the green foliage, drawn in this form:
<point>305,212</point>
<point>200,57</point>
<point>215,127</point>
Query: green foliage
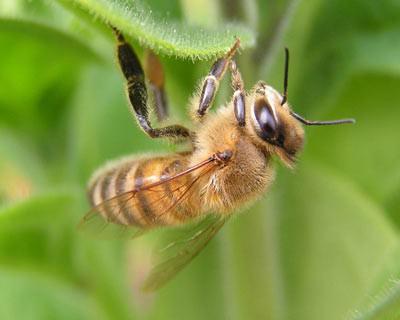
<point>324,242</point>
<point>34,268</point>
<point>162,35</point>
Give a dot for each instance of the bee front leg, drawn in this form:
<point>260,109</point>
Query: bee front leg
<point>211,82</point>
<point>137,92</point>
<point>239,103</point>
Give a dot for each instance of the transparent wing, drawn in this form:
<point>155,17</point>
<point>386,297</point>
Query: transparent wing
<point>115,217</point>
<point>177,254</point>
<point>97,223</point>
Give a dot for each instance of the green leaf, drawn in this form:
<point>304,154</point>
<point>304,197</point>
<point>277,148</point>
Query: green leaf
<point>383,299</point>
<point>384,308</point>
<point>165,36</point>
<point>334,244</point>
<point>18,180</point>
<point>34,232</point>
<point>40,68</point>
<point>345,39</point>
<point>37,55</point>
<point>201,12</point>
<point>39,236</point>
<point>360,151</point>
<point>32,295</point>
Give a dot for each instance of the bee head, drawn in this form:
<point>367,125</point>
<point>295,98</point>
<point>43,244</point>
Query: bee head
<point>273,123</point>
<point>276,124</point>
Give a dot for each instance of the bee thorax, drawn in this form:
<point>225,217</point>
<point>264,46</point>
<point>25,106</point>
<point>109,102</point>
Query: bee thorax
<point>244,175</point>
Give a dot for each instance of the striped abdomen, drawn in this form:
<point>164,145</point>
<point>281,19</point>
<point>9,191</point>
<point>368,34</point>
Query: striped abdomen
<point>121,195</point>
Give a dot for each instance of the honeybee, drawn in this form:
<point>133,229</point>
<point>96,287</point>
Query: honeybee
<point>227,165</point>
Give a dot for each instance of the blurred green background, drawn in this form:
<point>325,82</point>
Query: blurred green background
<point>322,244</point>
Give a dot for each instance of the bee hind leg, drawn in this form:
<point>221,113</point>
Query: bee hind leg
<point>211,81</point>
<point>137,92</point>
<point>155,73</point>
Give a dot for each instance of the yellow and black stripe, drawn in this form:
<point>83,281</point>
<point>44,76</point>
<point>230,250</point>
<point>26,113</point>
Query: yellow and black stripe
<point>120,192</point>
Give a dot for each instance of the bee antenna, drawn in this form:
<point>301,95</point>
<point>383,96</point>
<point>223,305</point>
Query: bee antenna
<point>286,77</point>
<point>321,123</point>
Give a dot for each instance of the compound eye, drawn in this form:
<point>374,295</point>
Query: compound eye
<point>266,120</point>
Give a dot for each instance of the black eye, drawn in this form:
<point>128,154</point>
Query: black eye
<point>266,121</point>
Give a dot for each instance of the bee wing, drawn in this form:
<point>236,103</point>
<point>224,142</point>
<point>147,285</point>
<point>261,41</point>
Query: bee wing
<point>114,218</point>
<point>177,254</point>
<point>98,221</point>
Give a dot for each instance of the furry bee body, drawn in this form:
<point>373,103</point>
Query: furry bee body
<point>220,189</point>
<point>227,165</point>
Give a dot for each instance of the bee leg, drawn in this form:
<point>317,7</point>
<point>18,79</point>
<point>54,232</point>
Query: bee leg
<point>238,95</point>
<point>137,92</point>
<point>155,73</point>
<point>210,84</point>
